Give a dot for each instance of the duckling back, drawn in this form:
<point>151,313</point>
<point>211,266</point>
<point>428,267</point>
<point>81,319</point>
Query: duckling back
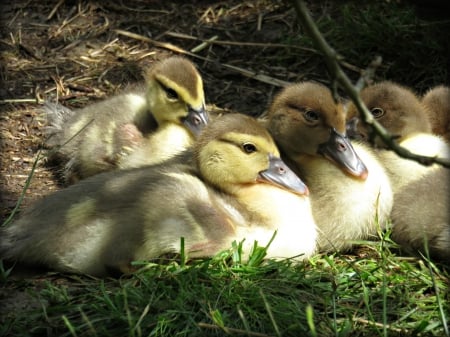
<point>103,223</point>
<point>421,215</point>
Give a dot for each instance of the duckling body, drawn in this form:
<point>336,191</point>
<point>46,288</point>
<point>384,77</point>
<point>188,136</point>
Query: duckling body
<point>347,209</point>
<point>402,171</point>
<point>231,185</point>
<point>437,106</point>
<point>421,215</point>
<point>414,214</point>
<point>349,188</point>
<point>146,125</point>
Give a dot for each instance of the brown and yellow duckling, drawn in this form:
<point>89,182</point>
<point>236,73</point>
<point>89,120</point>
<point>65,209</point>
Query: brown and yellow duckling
<point>144,126</point>
<point>395,107</point>
<point>420,212</point>
<point>398,109</point>
<point>232,185</point>
<point>349,189</point>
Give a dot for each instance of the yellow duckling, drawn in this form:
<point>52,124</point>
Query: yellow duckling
<point>140,127</point>
<point>437,106</point>
<point>232,185</point>
<point>420,210</point>
<point>349,189</point>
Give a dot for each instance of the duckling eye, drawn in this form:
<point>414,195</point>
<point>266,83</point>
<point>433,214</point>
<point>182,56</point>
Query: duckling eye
<point>311,115</point>
<point>249,148</point>
<point>377,112</point>
<point>171,94</point>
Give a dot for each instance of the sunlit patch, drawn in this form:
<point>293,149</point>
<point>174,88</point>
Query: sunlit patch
<point>136,102</point>
<point>80,212</point>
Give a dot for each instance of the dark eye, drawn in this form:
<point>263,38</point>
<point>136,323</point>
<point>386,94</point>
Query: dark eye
<point>311,115</point>
<point>377,112</point>
<point>249,148</point>
<point>171,94</point>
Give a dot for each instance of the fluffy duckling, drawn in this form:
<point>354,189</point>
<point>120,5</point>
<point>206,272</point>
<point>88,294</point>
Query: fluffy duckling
<point>349,189</point>
<point>417,215</point>
<point>140,127</point>
<point>395,107</point>
<point>437,106</point>
<point>421,215</point>
<point>232,185</point>
<point>399,110</point>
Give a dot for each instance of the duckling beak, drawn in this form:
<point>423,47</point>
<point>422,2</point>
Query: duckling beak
<point>351,128</point>
<point>196,120</point>
<point>279,174</point>
<point>339,150</point>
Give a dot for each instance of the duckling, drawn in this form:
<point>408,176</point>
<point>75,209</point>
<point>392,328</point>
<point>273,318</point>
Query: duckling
<point>143,126</point>
<point>231,185</point>
<point>421,215</point>
<point>395,107</point>
<point>437,106</point>
<point>416,213</point>
<point>349,188</point>
<point>399,110</point>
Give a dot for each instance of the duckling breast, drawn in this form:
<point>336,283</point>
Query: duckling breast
<point>347,209</point>
<point>284,212</point>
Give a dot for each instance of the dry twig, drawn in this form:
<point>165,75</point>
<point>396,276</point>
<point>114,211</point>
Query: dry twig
<point>245,72</point>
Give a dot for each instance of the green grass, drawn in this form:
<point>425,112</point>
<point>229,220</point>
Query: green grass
<point>379,295</point>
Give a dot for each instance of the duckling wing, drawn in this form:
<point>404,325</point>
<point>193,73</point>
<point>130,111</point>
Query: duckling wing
<point>95,138</point>
<point>107,221</point>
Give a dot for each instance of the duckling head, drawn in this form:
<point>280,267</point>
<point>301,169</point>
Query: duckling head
<point>175,94</point>
<point>395,107</point>
<point>305,120</point>
<point>437,104</point>
<point>235,151</point>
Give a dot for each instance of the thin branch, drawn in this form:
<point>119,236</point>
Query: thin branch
<point>169,46</point>
<point>240,43</point>
<point>332,60</point>
<point>368,73</point>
